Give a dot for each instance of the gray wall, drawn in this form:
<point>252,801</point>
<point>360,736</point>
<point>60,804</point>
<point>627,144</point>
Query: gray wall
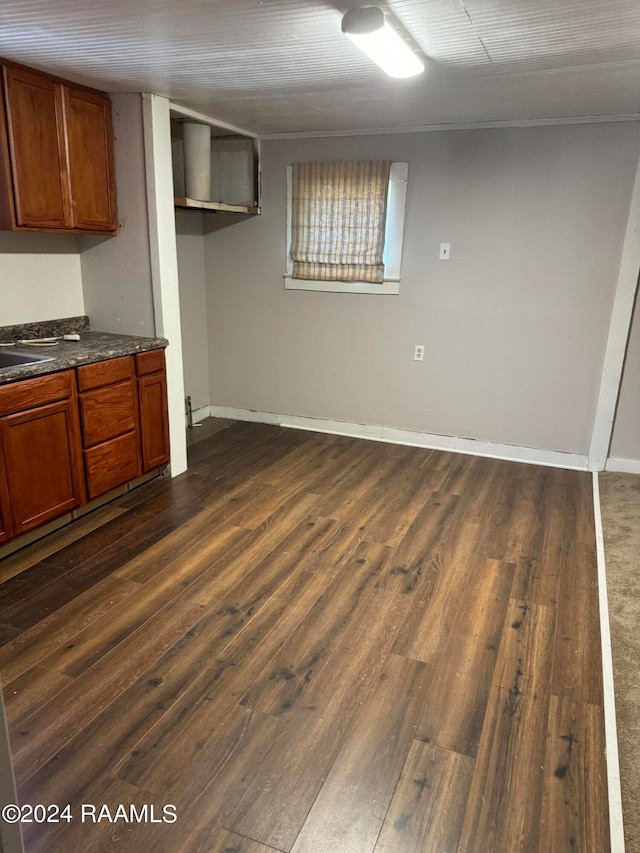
<point>625,443</point>
<point>116,271</point>
<point>193,307</point>
<point>40,277</point>
<point>514,325</point>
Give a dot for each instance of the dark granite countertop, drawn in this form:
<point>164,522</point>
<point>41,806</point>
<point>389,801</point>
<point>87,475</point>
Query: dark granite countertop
<point>92,346</point>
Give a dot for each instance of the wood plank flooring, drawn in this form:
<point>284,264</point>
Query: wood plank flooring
<point>315,644</point>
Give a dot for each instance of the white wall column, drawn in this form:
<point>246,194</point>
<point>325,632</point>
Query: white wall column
<point>619,328</point>
<point>164,263</point>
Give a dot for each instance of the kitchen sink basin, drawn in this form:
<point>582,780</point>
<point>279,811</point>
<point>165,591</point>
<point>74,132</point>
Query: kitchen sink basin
<point>17,359</point>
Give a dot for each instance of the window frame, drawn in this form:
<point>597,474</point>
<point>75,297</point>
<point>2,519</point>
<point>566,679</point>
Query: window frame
<point>392,256</point>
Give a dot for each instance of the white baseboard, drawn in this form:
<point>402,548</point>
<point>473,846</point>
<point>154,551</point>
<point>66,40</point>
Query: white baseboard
<point>469,446</point>
<point>616,828</point>
<point>623,466</point>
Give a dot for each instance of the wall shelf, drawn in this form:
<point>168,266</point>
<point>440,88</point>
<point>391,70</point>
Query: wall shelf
<point>214,206</point>
<point>234,171</point>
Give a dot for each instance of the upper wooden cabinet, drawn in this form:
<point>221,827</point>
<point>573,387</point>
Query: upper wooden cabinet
<point>90,149</point>
<point>44,471</point>
<point>37,150</point>
<point>57,171</point>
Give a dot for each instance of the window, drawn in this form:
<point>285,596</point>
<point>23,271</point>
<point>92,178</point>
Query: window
<point>318,241</point>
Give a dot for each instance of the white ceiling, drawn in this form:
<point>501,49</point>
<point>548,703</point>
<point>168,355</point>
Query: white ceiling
<point>274,66</point>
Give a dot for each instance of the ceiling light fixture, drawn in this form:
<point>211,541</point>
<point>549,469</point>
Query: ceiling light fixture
<point>368,27</point>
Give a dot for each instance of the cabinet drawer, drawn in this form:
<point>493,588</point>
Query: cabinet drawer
<point>105,372</point>
<point>108,412</point>
<point>112,463</point>
<point>149,362</point>
<point>20,396</point>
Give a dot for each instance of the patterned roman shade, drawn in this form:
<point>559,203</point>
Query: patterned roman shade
<point>338,222</point>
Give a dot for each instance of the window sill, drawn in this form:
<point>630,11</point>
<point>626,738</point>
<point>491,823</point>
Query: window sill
<point>387,288</point>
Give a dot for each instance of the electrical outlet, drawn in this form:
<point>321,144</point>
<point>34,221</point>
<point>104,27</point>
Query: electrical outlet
<point>445,251</point>
<point>418,353</point>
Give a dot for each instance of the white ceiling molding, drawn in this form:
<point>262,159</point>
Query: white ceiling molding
<point>431,128</point>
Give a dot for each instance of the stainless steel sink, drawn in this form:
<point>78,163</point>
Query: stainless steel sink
<point>16,359</point>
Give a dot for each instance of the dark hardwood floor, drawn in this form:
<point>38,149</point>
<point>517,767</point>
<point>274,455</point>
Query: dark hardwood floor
<point>315,644</point>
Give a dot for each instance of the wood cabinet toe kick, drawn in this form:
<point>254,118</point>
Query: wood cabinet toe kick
<point>70,437</point>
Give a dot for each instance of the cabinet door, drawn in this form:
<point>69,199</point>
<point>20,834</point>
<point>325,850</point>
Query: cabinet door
<point>154,420</point>
<point>37,149</point>
<point>5,517</point>
<point>43,463</point>
<point>90,141</point>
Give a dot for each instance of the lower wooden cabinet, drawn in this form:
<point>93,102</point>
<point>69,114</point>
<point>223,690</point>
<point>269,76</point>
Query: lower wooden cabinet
<point>43,466</point>
<point>154,417</point>
<point>59,448</point>
<point>5,515</point>
<point>154,423</point>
